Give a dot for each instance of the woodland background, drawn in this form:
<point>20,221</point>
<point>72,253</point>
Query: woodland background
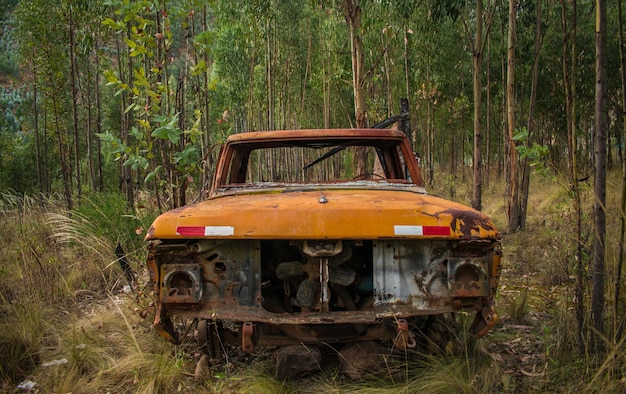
<point>115,101</point>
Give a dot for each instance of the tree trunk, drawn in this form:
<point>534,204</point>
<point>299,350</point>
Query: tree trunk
<point>46,168</point>
<point>622,219</point>
<point>600,131</point>
<point>326,92</point>
<point>407,64</point>
<point>488,115</point>
<point>513,197</point>
<point>73,74</point>
<point>388,77</point>
<point>179,105</point>
<point>477,80</point>
<point>88,133</point>
<point>36,127</point>
<point>208,166</point>
<point>63,155</point>
<point>98,118</point>
<point>503,163</point>
<point>352,15</point>
<point>125,184</point>
<point>431,144</point>
<point>307,70</point>
<point>569,70</point>
<point>269,67</point>
<point>530,125</point>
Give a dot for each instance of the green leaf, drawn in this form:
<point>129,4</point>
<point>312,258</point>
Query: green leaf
<point>174,137</point>
<point>152,174</point>
<point>199,68</point>
<point>520,134</point>
<point>117,26</point>
<point>160,133</point>
<point>134,131</point>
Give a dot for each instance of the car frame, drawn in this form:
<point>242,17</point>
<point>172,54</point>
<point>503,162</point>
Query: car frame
<point>298,258</point>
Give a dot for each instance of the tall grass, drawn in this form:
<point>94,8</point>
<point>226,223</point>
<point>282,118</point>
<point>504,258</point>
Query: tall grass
<point>57,266</point>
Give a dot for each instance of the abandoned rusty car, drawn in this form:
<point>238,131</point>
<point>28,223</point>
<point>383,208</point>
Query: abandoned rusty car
<point>293,246</point>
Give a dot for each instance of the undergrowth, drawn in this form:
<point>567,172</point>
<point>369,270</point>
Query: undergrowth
<point>57,265</point>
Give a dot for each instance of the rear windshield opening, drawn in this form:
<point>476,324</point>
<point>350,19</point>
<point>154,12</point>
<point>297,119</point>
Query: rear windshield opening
<point>317,164</point>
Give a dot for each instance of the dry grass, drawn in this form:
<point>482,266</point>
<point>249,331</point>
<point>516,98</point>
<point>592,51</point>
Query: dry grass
<point>55,267</point>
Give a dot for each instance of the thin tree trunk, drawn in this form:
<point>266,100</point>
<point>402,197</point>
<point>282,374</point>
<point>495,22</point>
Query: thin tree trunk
<point>36,126</point>
<point>326,92</point>
<point>98,118</point>
<point>307,70</point>
<point>127,175</point>
<point>181,179</point>
<point>488,116</point>
<point>618,328</point>
<point>46,167</point>
<point>428,139</point>
<point>63,155</point>
<point>269,68</point>
<point>407,64</point>
<point>388,79</point>
<point>477,80</point>
<point>208,167</point>
<point>600,129</point>
<point>530,125</point>
<point>88,133</point>
<point>514,222</point>
<point>569,72</point>
<point>503,163</point>
<point>73,74</point>
<point>66,172</point>
<point>431,149</point>
<point>352,15</point>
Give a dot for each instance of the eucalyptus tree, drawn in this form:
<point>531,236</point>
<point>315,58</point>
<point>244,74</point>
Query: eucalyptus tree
<point>568,60</point>
<point>42,33</point>
<point>352,13</point>
<point>513,195</point>
<point>622,217</point>
<point>71,21</point>
<point>600,136</point>
<point>55,46</point>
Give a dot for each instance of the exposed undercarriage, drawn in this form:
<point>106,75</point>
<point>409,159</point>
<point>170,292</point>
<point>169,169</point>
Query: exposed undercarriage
<point>272,293</point>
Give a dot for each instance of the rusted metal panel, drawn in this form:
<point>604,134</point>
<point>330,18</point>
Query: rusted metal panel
<point>181,283</point>
<point>424,275</point>
<point>321,134</point>
<point>408,277</point>
<point>469,277</point>
<point>242,314</point>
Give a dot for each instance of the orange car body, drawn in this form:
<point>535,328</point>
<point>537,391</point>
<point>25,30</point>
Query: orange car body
<point>308,251</point>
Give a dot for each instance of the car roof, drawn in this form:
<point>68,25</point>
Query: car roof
<point>315,134</point>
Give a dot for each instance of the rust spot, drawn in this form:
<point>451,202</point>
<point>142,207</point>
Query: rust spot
<point>247,344</point>
<point>469,222</point>
<point>150,233</point>
<point>467,282</point>
<point>420,280</point>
